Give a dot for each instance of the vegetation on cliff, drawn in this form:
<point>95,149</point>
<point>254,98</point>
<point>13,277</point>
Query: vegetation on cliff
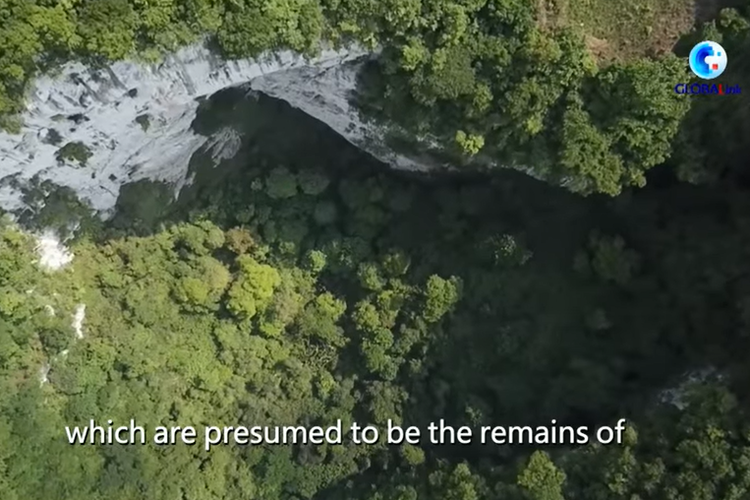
<point>508,82</point>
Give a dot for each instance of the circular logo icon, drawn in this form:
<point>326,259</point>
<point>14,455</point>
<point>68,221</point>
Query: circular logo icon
<point>708,60</point>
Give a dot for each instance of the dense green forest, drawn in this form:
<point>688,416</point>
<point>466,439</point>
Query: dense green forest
<point>303,282</point>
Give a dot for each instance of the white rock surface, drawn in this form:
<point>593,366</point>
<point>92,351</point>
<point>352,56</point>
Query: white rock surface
<point>52,253</point>
<point>78,318</point>
<point>44,373</point>
<point>99,108</point>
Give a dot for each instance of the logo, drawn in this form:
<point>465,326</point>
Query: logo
<point>706,89</point>
<point>708,60</point>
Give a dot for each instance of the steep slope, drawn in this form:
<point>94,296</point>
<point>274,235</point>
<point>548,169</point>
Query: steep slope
<point>95,129</point>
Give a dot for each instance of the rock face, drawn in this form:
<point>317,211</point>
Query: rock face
<point>94,130</point>
<point>324,93</point>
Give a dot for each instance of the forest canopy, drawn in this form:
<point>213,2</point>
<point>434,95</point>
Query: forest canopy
<point>301,282</point>
<point>307,285</point>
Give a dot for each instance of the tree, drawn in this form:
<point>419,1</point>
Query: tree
<point>312,183</point>
<point>319,320</point>
<point>281,184</point>
<point>369,276</point>
<point>440,296</point>
<point>325,213</point>
<point>108,28</point>
<point>295,24</point>
<point>611,260</point>
<point>253,289</point>
<point>647,118</point>
<point>457,484</point>
<point>315,261</point>
<point>586,154</point>
<point>541,479</point>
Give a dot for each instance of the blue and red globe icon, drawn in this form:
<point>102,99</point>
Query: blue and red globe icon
<point>708,60</point>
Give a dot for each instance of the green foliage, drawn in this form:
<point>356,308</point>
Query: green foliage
<point>251,27</point>
<point>469,144</point>
<point>541,478</point>
<point>459,484</point>
<point>108,28</point>
<point>251,292</point>
<point>413,455</point>
<point>695,458</point>
<point>587,155</point>
<point>315,261</point>
<point>144,121</point>
<point>492,83</point>
<point>396,263</point>
<point>240,241</point>
<point>74,152</point>
<point>610,260</point>
<point>325,213</point>
<point>319,319</point>
<point>641,136</point>
<point>369,277</point>
<point>463,307</point>
<point>505,249</point>
<point>204,288</point>
<point>299,295</point>
<point>440,296</point>
<point>312,183</point>
<point>28,32</point>
<point>281,184</point>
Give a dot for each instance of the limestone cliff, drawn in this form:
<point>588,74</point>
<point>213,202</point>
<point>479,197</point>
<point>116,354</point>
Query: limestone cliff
<point>94,130</point>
